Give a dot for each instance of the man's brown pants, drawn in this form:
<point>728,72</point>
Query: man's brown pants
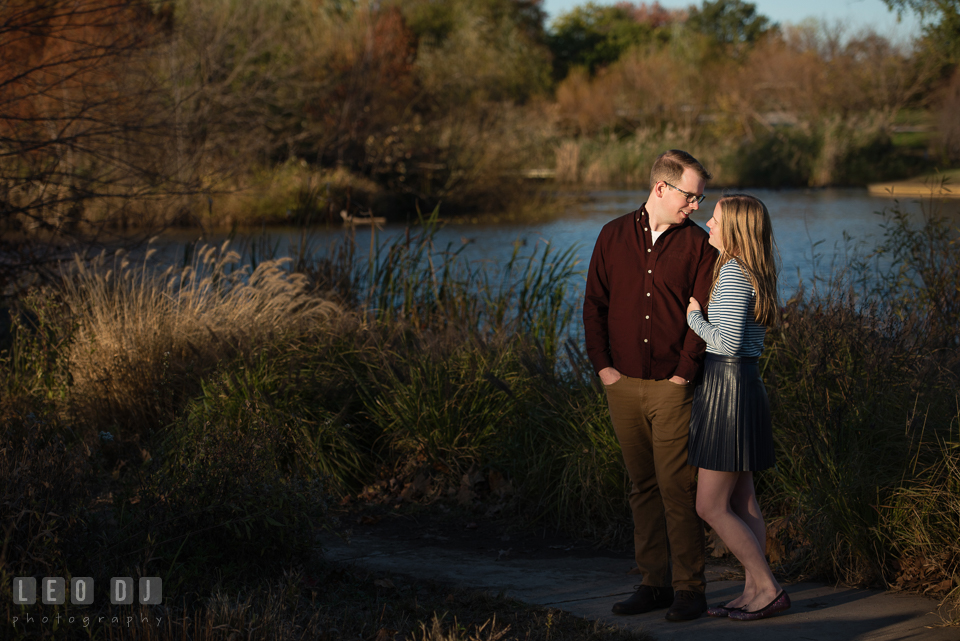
<point>652,422</point>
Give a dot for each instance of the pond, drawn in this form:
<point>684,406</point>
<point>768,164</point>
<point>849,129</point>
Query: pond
<point>815,230</point>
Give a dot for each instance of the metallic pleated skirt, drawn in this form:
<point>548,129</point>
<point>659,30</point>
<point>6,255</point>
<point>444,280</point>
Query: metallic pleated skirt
<point>730,428</point>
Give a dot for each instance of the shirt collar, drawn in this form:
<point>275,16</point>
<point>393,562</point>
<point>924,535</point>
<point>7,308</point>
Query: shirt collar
<point>644,218</point>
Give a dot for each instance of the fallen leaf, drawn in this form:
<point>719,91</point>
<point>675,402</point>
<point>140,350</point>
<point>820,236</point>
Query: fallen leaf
<point>471,478</point>
<point>421,483</point>
<point>465,496</point>
<point>384,583</point>
<point>498,484</point>
<point>386,634</point>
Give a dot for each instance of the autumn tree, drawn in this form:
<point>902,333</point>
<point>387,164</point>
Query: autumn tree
<point>594,36</point>
<point>80,123</point>
<point>941,30</point>
<point>731,27</point>
<point>940,43</point>
<point>477,63</point>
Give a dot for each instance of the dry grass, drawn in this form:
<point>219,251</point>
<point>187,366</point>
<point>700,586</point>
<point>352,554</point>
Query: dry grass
<point>920,521</point>
<point>144,338</point>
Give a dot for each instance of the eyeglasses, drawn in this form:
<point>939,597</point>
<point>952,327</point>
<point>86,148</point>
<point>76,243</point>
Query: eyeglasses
<point>691,198</point>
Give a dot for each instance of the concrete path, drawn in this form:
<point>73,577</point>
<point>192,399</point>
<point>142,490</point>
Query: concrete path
<point>587,587</point>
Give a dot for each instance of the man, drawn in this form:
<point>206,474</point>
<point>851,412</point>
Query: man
<point>645,267</point>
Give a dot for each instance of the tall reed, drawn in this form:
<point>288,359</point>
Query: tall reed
<point>447,390</point>
<point>412,281</point>
<point>863,375</point>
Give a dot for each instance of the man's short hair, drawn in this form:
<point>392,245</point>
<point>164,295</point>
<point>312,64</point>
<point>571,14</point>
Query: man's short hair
<point>670,165</point>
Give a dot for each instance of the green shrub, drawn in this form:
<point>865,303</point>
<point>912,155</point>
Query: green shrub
<point>565,460</point>
<point>37,372</point>
<point>44,499</point>
<point>306,400</point>
<point>446,407</point>
<point>782,157</point>
<point>220,499</point>
<point>863,376</point>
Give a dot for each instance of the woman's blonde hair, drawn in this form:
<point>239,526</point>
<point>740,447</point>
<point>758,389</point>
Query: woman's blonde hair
<point>747,235</point>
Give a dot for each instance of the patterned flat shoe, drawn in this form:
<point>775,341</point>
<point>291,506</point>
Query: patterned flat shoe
<point>720,611</point>
<point>779,604</point>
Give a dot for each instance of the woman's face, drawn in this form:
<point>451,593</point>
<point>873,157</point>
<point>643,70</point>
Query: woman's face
<point>714,226</point>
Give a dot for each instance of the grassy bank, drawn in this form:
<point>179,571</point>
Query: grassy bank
<point>819,151</point>
<point>164,423</point>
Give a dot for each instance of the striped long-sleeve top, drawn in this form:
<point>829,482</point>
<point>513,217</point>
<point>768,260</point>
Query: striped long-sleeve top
<point>732,328</point>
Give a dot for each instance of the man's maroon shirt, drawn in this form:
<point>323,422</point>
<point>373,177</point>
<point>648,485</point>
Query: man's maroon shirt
<point>635,304</point>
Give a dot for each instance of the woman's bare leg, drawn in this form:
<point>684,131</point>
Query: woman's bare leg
<point>716,493</point>
<point>744,504</point>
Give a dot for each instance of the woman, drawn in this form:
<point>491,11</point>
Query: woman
<point>730,432</point>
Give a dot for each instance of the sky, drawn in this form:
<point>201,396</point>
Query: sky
<point>854,14</point>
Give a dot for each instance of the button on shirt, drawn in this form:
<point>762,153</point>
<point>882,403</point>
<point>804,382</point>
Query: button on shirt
<point>634,309</point>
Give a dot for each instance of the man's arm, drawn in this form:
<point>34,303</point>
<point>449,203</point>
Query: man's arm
<point>596,306</point>
<point>691,356</point>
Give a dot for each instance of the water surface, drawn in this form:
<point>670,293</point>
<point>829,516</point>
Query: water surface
<point>815,230</point>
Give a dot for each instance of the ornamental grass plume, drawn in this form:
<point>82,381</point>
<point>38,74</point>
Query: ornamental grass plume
<point>142,338</point>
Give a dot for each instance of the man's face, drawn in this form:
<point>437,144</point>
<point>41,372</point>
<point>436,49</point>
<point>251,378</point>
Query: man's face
<point>677,206</point>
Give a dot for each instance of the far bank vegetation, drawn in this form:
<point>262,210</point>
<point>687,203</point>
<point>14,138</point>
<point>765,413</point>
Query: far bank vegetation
<point>118,115</point>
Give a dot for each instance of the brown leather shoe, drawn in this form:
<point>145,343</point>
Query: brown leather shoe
<point>687,606</point>
<point>645,599</point>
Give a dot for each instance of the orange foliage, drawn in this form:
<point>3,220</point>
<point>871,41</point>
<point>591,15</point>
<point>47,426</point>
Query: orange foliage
<point>814,74</point>
<point>581,106</point>
<point>76,108</point>
<point>949,119</point>
<point>643,87</point>
<point>804,75</point>
<point>61,60</point>
<point>370,79</point>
